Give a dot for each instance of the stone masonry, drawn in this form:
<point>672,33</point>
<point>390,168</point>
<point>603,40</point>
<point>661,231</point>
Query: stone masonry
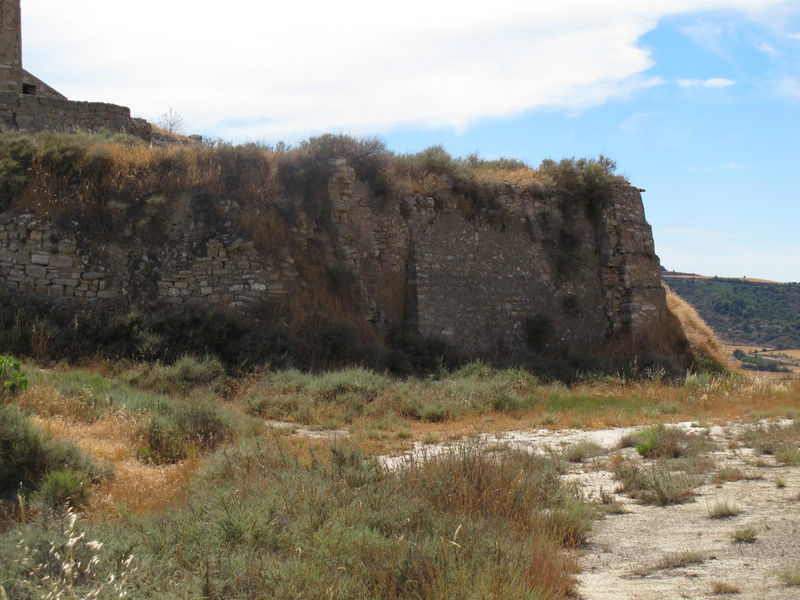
<point>471,281</point>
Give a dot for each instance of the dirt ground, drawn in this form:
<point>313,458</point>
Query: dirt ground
<point>621,559</point>
<point>625,554</point>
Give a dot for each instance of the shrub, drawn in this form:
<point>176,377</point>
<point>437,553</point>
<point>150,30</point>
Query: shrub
<point>16,156</point>
<point>658,441</point>
<point>790,575</point>
<point>182,376</point>
<point>580,451</point>
<point>654,485</point>
<point>744,535</point>
<point>722,509</point>
<point>586,182</point>
<point>65,487</point>
<point>176,425</point>
<point>27,455</point>
<point>12,379</point>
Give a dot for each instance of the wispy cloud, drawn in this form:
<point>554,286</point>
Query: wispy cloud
<point>788,87</point>
<point>767,49</point>
<point>710,35</point>
<point>635,124</point>
<point>714,82</point>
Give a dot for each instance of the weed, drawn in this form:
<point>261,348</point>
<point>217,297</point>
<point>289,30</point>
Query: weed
<point>731,473</point>
<point>788,454</point>
<point>659,441</point>
<point>654,485</point>
<point>12,379</point>
<point>28,455</point>
<point>721,587</point>
<point>780,482</point>
<point>744,535</point>
<point>790,575</point>
<point>583,450</point>
<point>722,509</point>
<point>67,487</point>
<point>684,558</point>
<point>182,376</point>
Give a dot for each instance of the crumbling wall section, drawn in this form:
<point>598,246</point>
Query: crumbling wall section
<point>488,282</point>
<point>32,114</point>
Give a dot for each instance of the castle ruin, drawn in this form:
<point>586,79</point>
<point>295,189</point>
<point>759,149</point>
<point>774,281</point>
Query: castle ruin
<point>29,105</point>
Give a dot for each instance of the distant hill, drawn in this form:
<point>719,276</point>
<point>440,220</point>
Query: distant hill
<point>743,311</point>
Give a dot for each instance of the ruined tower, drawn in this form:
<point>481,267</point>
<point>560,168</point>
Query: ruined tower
<point>13,78</point>
<point>10,46</point>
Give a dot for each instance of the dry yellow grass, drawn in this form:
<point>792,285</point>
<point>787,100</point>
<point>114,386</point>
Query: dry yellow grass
<point>702,340</point>
<point>113,439</point>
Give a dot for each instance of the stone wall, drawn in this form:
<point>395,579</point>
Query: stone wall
<point>474,280</point>
<point>31,114</point>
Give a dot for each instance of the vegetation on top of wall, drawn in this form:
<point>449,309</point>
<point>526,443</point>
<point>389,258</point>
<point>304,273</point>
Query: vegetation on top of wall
<point>586,182</point>
<point>98,176</point>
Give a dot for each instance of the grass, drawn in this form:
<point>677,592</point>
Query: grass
<point>744,535</point>
<point>263,521</point>
<point>583,450</point>
<point>684,558</point>
<point>722,587</point>
<point>655,484</point>
<point>32,461</point>
<point>224,505</point>
<point>722,509</point>
<point>729,473</point>
<point>790,575</point>
<point>773,439</point>
<point>659,441</point>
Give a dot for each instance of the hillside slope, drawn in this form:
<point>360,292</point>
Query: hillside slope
<point>745,312</point>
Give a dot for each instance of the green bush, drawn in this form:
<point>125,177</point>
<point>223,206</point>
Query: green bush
<point>175,426</point>
<point>586,182</point>
<point>12,379</point>
<point>16,156</point>
<point>184,375</point>
<point>59,488</point>
<point>27,455</point>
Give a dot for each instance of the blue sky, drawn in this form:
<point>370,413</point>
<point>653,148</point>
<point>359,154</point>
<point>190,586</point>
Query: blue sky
<point>697,101</point>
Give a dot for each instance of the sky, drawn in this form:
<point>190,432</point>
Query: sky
<point>698,101</point>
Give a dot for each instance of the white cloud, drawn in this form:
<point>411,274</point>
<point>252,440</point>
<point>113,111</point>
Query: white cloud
<point>714,82</point>
<point>248,68</point>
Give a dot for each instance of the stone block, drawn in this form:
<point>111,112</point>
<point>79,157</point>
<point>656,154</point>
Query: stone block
<point>35,271</point>
<point>40,259</point>
<point>61,260</point>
